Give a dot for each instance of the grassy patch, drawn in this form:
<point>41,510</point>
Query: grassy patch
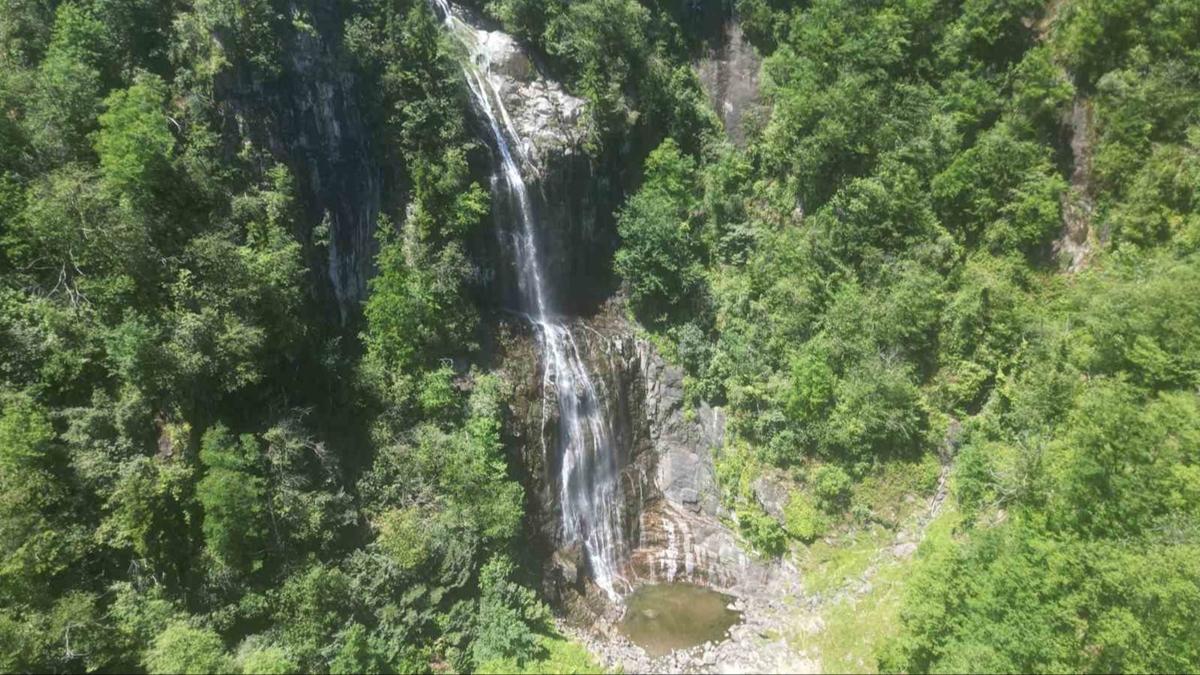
<point>858,625</point>
<point>828,565</point>
<point>880,504</point>
<point>893,491</point>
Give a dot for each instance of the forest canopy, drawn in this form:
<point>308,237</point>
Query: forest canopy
<point>964,238</point>
<point>887,272</point>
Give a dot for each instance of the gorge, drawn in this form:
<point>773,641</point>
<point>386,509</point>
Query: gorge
<point>580,336</point>
<point>603,469</point>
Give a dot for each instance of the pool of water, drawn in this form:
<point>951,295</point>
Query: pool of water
<point>664,617</point>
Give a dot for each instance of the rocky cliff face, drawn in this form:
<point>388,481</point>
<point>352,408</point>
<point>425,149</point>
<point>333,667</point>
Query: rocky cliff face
<point>672,502</point>
<point>681,536</point>
<point>574,198</point>
<point>669,504</point>
<point>729,75</point>
<point>1074,246</point>
<point>310,119</point>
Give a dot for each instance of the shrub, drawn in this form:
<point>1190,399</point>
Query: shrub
<point>763,532</point>
<point>831,486</point>
<point>182,648</point>
<point>802,519</point>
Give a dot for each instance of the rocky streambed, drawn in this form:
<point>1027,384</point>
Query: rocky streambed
<point>756,644</point>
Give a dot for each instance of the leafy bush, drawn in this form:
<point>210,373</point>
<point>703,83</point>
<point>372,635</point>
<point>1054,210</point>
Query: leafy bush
<point>762,531</point>
<point>831,486</point>
<point>802,519</point>
<point>182,648</point>
<point>232,496</point>
<point>658,256</point>
<point>267,661</point>
<point>510,616</point>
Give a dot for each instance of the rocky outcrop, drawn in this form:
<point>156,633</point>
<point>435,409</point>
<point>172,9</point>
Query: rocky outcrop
<point>681,536</point>
<point>549,123</point>
<point>672,509</point>
<point>1074,247</point>
<point>684,442</point>
<point>729,75</point>
<point>310,118</point>
<point>575,199</point>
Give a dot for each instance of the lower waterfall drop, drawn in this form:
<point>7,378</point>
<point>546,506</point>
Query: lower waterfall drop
<point>590,494</point>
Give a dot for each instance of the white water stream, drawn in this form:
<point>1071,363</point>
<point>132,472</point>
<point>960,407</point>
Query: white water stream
<point>589,496</point>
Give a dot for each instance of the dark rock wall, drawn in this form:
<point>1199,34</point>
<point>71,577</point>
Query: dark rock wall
<point>672,507</point>
<point>310,117</point>
<point>576,201</point>
<point>573,202</point>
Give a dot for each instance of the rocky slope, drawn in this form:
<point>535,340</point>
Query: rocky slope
<point>728,72</point>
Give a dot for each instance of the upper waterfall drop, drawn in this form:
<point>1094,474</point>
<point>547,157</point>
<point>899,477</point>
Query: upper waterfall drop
<point>589,480</point>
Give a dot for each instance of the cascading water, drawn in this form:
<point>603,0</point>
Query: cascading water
<point>590,496</point>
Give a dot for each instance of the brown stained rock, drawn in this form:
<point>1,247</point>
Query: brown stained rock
<point>1075,245</point>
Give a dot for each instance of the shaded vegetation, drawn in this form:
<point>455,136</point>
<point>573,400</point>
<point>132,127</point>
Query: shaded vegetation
<point>875,282</point>
<point>202,470</point>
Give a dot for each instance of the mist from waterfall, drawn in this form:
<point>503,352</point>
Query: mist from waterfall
<point>589,479</point>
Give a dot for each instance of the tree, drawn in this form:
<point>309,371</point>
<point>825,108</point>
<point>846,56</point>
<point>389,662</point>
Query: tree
<point>405,536</point>
<point>77,241</point>
<point>1003,191</point>
<point>37,544</point>
<point>134,143</point>
<point>70,82</point>
<point>659,258</point>
<point>232,495</point>
<point>314,603</point>
<point>879,413</point>
<point>184,648</point>
<point>359,652</point>
<point>509,616</point>
<point>267,660</point>
<point>149,513</point>
<point>802,519</point>
<point>1125,465</point>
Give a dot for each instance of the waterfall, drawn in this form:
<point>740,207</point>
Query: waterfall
<point>590,496</point>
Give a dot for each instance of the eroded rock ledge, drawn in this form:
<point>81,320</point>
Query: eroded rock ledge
<point>673,516</point>
<point>549,122</point>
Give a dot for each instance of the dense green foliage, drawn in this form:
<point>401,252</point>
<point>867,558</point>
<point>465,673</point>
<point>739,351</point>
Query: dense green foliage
<point>203,470</point>
<point>200,471</point>
<point>877,267</point>
<point>629,59</point>
<point>876,271</point>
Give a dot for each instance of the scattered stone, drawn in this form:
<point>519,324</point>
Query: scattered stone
<point>772,493</point>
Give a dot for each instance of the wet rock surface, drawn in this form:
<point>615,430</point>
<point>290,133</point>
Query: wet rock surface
<point>675,526</point>
<point>669,502</point>
<point>548,121</point>
<point>311,118</point>
<point>574,194</point>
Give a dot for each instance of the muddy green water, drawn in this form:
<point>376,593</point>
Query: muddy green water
<point>665,617</point>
